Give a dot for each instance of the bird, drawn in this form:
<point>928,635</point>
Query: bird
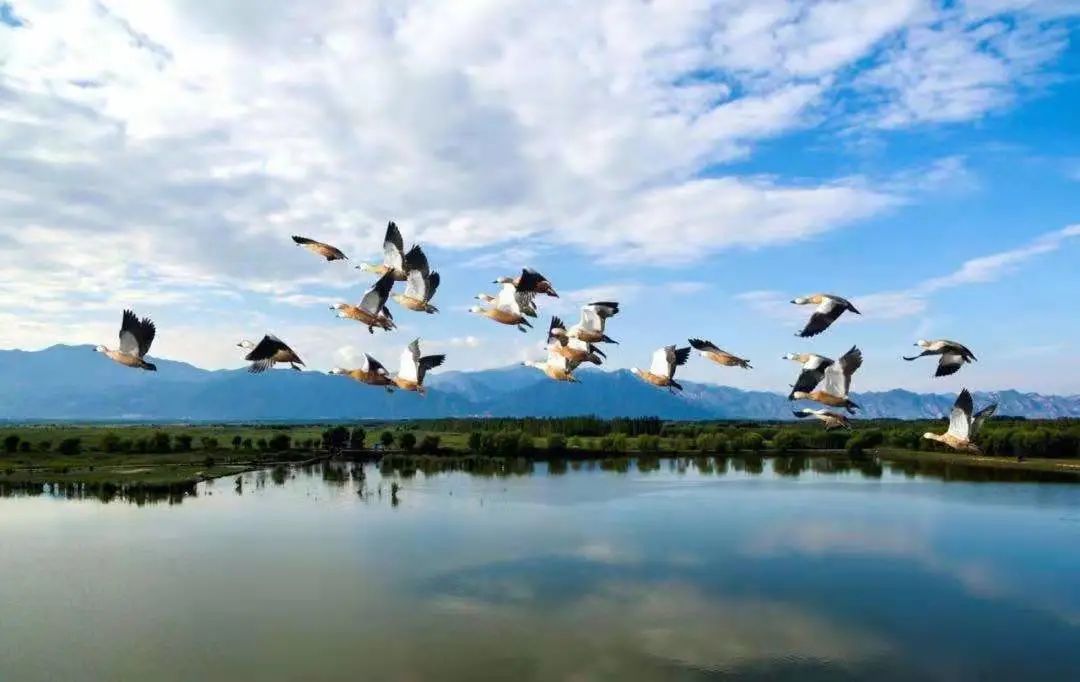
<point>506,308</point>
<point>575,350</point>
<point>372,309</point>
<point>813,371</point>
<point>410,376</point>
<point>530,281</point>
<point>393,255</point>
<point>835,384</point>
<point>831,420</point>
<point>557,367</point>
<point>963,426</point>
<point>593,321</point>
<point>328,252</point>
<point>709,351</point>
<point>525,300</point>
<point>662,371</point>
<point>829,308</point>
<point>420,283</point>
<point>135,338</point>
<point>953,355</point>
<point>370,372</point>
<point>269,352</point>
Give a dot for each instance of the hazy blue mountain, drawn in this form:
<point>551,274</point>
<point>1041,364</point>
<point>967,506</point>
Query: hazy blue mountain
<point>74,383</point>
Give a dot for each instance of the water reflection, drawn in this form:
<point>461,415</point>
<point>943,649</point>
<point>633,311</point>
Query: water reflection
<point>793,567</point>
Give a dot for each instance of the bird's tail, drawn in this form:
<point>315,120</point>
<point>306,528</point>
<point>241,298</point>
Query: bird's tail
<point>675,384</point>
<point>607,339</point>
<point>149,366</point>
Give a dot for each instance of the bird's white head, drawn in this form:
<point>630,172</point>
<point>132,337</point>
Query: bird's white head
<point>101,349</point>
<point>800,395</point>
<point>931,436</point>
<point>922,343</point>
<point>476,309</point>
<point>245,344</point>
<point>503,280</point>
<point>366,267</point>
<point>790,356</point>
<point>635,371</point>
<point>800,300</point>
<point>337,371</point>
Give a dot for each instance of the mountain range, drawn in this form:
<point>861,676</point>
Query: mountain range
<point>74,383</point>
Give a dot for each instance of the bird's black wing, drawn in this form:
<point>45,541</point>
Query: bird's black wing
<point>427,362</point>
<point>681,355</point>
<point>147,332</point>
<point>393,238</point>
<point>432,284</point>
<point>303,240</point>
<point>529,280</point>
<point>949,363</point>
<point>819,322</point>
<point>416,260</point>
<point>266,349</point>
<point>704,346</point>
<point>808,379</point>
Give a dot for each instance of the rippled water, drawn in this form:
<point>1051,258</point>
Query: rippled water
<point>590,574</point>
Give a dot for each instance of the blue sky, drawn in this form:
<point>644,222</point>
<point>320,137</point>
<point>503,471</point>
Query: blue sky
<point>701,162</point>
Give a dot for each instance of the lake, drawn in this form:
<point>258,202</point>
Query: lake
<point>718,569</point>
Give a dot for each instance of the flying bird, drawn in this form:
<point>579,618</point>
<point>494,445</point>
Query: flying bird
<point>557,367</point>
<point>574,350</point>
<point>813,371</point>
<point>135,338</point>
<point>269,352</point>
<point>524,300</point>
<point>831,420</point>
<point>953,355</point>
<point>410,376</point>
<point>836,382</point>
<point>829,308</point>
<point>709,351</point>
<point>325,250</point>
<point>593,321</point>
<point>508,308</point>
<point>370,372</point>
<point>420,283</point>
<point>963,425</point>
<point>393,255</point>
<point>372,309</point>
<point>662,371</point>
<point>530,281</point>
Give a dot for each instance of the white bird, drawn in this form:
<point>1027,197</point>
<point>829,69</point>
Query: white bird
<point>593,321</point>
<point>393,255</point>
<point>829,308</point>
<point>963,426</point>
<point>557,367</point>
<point>835,383</point>
<point>370,371</point>
<point>135,338</point>
<point>831,420</point>
<point>953,355</point>
<point>420,283</point>
<point>268,352</point>
<point>662,370</point>
<point>508,308</point>
<point>410,376</point>
<point>372,310</point>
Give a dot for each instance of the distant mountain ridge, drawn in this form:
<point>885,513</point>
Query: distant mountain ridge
<point>73,383</point>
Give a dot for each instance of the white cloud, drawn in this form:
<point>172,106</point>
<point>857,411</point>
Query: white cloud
<point>913,301</point>
<point>161,153</point>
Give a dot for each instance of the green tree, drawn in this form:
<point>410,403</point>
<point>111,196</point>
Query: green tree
<point>752,441</point>
<point>556,443</point>
<point>11,443</point>
<point>279,442</point>
<point>44,445</point>
<point>429,444</point>
<point>247,444</point>
<point>209,443</point>
<point>182,442</point>
<point>24,446</point>
<point>237,441</point>
<point>357,438</point>
<point>787,440</point>
<point>162,442</point>
<point>407,440</point>
<point>110,442</point>
<point>70,446</point>
<point>475,440</point>
<point>387,439</point>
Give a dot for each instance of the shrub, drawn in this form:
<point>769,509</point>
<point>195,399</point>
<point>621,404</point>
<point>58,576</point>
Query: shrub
<point>556,442</point>
<point>787,440</point>
<point>387,439</point>
<point>182,443</point>
<point>279,442</point>
<point>752,441</point>
<point>429,444</point>
<point>11,443</point>
<point>476,439</point>
<point>237,441</point>
<point>407,440</point>
<point>110,442</point>
<point>70,446</point>
<point>209,443</point>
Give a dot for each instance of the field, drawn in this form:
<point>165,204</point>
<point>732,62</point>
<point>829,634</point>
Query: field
<point>174,457</point>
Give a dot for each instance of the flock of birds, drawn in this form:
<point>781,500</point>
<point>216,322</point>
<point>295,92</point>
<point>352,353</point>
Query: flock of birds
<point>821,379</point>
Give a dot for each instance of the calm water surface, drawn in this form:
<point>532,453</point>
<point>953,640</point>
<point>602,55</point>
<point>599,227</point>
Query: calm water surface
<point>587,574</point>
